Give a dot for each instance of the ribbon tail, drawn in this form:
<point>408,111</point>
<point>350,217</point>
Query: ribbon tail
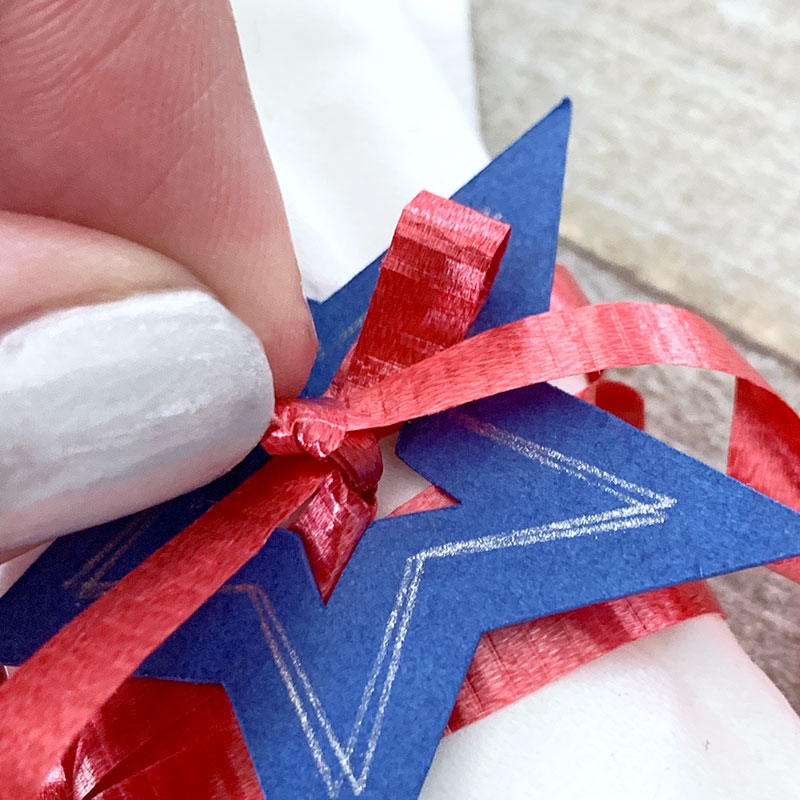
<point>542,348</point>
<point>765,434</point>
<point>49,700</point>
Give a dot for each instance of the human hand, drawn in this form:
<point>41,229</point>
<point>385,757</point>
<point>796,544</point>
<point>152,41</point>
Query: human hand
<point>139,209</point>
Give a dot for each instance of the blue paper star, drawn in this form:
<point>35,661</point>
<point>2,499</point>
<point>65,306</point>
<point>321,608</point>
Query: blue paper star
<point>561,505</point>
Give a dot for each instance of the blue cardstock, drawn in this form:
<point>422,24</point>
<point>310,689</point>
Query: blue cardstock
<point>561,505</point>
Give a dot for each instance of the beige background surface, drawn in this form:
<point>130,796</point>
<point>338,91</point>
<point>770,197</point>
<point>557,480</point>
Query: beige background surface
<point>683,185</point>
<point>684,158</point>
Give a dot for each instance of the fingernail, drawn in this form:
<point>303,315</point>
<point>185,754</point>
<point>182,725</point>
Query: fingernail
<point>110,408</point>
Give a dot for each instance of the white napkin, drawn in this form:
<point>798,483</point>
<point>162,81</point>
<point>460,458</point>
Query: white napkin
<point>364,103</point>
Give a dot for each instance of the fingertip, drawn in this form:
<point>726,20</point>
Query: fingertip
<point>116,406</point>
<point>291,349</point>
<point>124,381</point>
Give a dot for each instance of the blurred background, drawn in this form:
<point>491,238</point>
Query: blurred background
<point>683,186</point>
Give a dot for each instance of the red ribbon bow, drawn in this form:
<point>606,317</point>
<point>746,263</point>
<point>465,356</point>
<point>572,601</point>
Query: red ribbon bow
<point>410,361</point>
<point>433,281</point>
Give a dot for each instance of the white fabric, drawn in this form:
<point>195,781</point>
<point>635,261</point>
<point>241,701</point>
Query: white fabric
<point>359,115</point>
<point>680,714</point>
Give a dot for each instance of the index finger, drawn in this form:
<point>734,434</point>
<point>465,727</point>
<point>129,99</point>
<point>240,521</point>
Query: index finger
<point>136,119</point>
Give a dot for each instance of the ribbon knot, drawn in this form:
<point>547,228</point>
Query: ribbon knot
<point>345,503</point>
<point>314,426</point>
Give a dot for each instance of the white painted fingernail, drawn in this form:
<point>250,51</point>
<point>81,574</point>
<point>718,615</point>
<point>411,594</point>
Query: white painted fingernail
<point>111,408</point>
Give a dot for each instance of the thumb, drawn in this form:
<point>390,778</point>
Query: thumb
<point>123,381</point>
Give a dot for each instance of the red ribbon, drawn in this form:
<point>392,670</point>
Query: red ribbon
<point>57,691</point>
<point>407,363</point>
<point>433,282</point>
<point>157,739</point>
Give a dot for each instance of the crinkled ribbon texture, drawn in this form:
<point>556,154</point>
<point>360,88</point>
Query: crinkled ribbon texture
<point>71,706</point>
